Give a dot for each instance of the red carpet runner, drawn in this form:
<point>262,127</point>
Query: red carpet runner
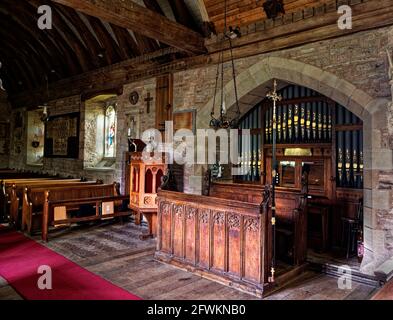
<point>20,258</point>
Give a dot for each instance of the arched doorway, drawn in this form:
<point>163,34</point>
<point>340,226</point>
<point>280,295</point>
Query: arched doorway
<point>253,85</point>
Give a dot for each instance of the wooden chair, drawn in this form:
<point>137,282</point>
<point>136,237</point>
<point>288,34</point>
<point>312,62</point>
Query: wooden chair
<point>350,228</point>
<point>322,212</point>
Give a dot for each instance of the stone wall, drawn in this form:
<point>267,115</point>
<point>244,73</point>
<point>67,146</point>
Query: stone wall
<point>5,113</point>
<point>94,133</point>
<point>35,132</point>
<point>125,108</point>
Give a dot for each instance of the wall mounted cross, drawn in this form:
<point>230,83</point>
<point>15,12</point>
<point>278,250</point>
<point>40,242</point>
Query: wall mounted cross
<point>148,100</point>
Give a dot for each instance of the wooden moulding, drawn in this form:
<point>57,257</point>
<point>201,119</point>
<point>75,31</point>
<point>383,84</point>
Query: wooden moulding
<point>219,239</point>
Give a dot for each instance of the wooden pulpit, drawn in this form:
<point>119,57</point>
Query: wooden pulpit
<point>145,179</point>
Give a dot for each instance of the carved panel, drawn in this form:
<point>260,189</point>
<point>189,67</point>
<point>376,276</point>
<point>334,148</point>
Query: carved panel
<point>251,224</point>
<point>218,218</point>
<point>165,208</point>
<point>233,221</point>
<point>178,209</point>
<point>148,201</point>
<point>191,212</point>
<point>204,216</point>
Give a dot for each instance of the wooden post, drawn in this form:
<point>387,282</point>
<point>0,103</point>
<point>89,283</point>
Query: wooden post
<point>24,208</point>
<point>45,217</point>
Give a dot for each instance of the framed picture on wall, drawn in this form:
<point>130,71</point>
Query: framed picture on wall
<point>4,138</point>
<point>62,136</point>
<point>4,130</point>
<point>185,119</point>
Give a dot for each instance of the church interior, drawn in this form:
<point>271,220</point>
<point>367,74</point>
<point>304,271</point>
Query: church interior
<point>196,150</point>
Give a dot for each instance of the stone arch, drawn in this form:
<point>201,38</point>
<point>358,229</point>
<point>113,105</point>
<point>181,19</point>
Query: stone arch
<point>373,111</point>
<point>252,87</point>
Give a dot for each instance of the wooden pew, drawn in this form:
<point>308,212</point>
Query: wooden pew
<point>33,199</point>
<point>220,239</point>
<point>111,204</point>
<point>291,212</point>
<point>15,196</point>
<point>40,203</point>
<point>5,192</point>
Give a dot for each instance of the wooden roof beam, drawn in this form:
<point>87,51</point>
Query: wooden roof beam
<point>144,21</point>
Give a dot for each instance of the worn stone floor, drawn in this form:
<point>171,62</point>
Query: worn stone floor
<point>115,252</point>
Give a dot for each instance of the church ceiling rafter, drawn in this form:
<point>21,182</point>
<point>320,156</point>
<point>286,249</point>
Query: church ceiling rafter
<point>13,52</point>
<point>89,39</point>
<point>135,17</point>
<point>131,57</point>
<point>31,50</point>
<point>23,35</point>
<point>24,80</point>
<point>244,12</point>
<point>34,50</point>
<point>68,36</point>
<point>77,43</point>
<point>109,46</point>
<point>182,14</point>
<point>27,18</point>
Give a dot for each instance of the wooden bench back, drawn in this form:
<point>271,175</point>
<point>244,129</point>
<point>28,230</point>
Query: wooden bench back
<point>291,211</point>
<point>36,195</point>
<point>6,186</point>
<point>286,200</point>
<point>20,185</point>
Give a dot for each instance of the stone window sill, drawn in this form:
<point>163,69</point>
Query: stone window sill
<point>38,165</point>
<point>100,169</point>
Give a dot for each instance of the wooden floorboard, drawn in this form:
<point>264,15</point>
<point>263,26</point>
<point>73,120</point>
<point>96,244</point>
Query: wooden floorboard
<point>115,252</point>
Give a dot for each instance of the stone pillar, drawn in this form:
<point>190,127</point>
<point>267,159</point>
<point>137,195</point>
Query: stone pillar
<point>378,212</point>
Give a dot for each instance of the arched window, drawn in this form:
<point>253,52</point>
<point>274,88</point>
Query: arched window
<point>110,132</point>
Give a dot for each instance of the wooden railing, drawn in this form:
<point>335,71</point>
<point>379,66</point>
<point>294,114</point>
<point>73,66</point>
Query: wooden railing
<point>218,238</point>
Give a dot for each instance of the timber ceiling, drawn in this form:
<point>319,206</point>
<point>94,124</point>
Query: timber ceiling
<point>101,44</point>
<point>77,43</point>
<point>244,12</point>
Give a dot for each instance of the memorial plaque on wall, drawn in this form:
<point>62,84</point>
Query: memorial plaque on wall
<point>184,120</point>
<point>62,136</point>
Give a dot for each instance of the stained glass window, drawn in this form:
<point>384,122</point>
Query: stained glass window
<point>110,132</point>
